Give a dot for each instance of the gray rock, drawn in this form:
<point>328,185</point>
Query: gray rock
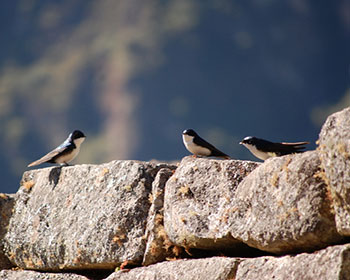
<point>280,207</point>
<point>158,246</point>
<point>7,202</point>
<point>331,264</point>
<point>198,202</point>
<point>334,149</point>
<point>283,207</point>
<point>34,275</point>
<point>81,217</point>
<point>216,268</point>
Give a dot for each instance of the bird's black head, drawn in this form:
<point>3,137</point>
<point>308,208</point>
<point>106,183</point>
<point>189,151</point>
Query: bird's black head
<point>189,132</point>
<point>76,134</point>
<point>250,140</point>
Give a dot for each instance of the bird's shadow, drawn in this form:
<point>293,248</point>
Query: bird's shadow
<point>54,175</point>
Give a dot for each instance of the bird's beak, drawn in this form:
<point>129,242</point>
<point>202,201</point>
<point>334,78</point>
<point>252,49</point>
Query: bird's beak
<point>241,143</point>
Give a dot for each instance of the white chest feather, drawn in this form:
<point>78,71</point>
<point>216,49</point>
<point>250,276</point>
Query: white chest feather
<point>193,148</point>
<point>69,157</point>
<point>257,153</point>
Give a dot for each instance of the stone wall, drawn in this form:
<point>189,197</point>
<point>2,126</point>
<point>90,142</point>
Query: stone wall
<point>286,218</point>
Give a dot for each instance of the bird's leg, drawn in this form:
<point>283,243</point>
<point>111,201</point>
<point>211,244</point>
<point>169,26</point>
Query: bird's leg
<point>66,164</point>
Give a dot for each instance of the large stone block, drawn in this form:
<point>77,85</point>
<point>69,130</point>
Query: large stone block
<point>81,217</point>
<point>34,275</point>
<point>198,201</point>
<point>282,206</point>
<point>332,263</point>
<point>216,268</point>
<point>334,149</point>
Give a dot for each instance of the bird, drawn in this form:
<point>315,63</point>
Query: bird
<point>264,149</point>
<point>198,146</point>
<point>65,152</point>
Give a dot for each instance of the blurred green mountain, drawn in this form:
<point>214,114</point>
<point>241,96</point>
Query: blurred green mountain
<point>133,74</point>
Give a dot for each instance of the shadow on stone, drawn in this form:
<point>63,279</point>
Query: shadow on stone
<point>54,175</point>
<point>7,203</point>
<point>93,274</point>
<point>242,251</point>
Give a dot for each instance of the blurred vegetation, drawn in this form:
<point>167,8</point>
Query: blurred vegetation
<point>133,74</point>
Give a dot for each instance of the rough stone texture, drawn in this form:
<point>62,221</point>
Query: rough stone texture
<point>216,268</point>
<point>331,263</point>
<point>283,206</point>
<point>81,217</point>
<point>158,244</point>
<point>280,207</point>
<point>6,206</point>
<point>198,200</point>
<point>334,148</point>
<point>33,275</point>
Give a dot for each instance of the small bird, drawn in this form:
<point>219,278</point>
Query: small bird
<point>198,146</point>
<point>65,152</point>
<point>264,149</point>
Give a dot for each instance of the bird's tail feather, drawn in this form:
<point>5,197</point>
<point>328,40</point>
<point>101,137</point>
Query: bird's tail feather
<point>295,143</point>
<point>34,163</point>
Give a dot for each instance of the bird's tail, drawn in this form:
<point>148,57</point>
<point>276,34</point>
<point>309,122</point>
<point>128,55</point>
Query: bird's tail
<point>297,147</point>
<point>34,163</point>
<point>295,143</point>
<point>40,161</point>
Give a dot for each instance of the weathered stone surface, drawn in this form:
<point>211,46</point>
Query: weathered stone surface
<point>283,206</point>
<point>331,264</point>
<point>6,206</point>
<point>33,275</point>
<point>280,207</point>
<point>334,149</point>
<point>158,245</point>
<point>216,268</point>
<point>81,217</point>
<point>198,201</point>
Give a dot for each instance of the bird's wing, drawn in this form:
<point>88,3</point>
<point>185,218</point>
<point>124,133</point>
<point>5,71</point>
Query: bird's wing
<point>289,148</point>
<point>214,151</point>
<point>65,146</point>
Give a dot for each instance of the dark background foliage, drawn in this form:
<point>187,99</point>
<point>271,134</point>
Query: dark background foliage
<point>133,74</point>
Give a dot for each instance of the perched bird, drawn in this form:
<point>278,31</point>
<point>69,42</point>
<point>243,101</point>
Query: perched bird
<point>64,153</point>
<point>264,149</point>
<point>198,146</point>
